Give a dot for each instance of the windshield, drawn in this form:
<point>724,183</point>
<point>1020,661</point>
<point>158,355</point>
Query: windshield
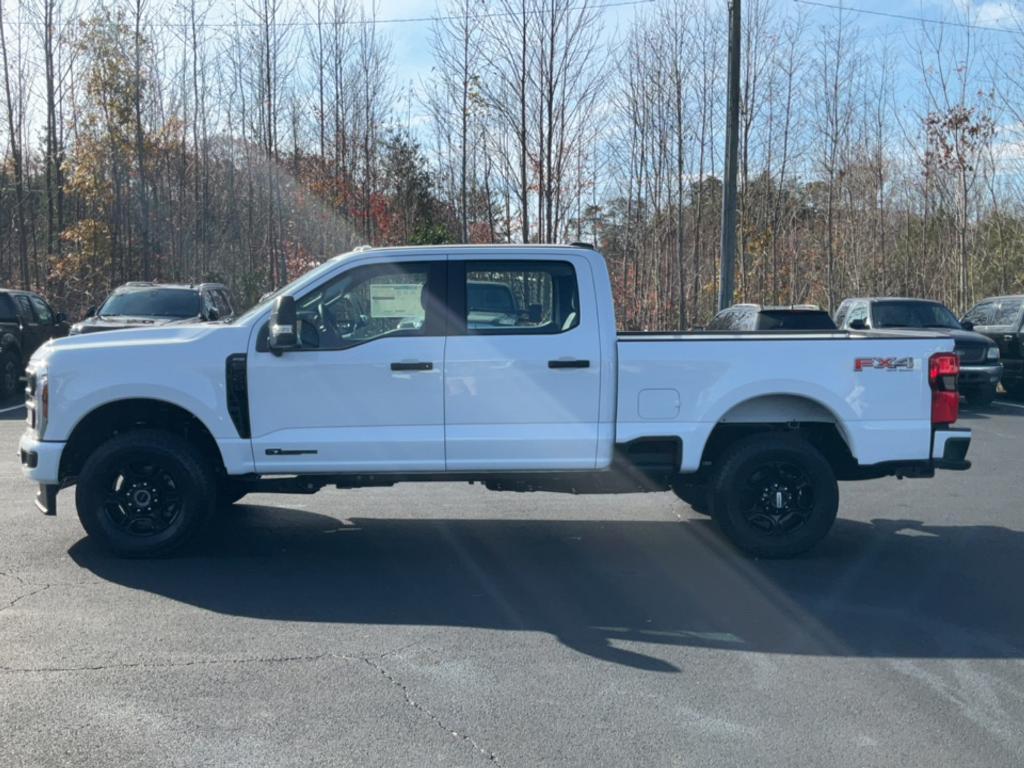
<point>490,297</point>
<point>267,299</point>
<point>998,312</point>
<point>152,302</point>
<point>912,314</point>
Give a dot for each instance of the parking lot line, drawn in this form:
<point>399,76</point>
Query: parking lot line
<point>12,408</point>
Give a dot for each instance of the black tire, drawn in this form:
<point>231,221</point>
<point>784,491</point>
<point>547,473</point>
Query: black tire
<point>979,397</point>
<point>774,495</point>
<point>10,372</point>
<point>1015,390</point>
<point>230,491</point>
<point>696,496</point>
<point>144,493</point>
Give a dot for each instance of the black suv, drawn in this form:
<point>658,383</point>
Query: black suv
<point>144,305</point>
<point>754,317</point>
<point>980,370</point>
<point>26,321</point>
<point>1001,318</point>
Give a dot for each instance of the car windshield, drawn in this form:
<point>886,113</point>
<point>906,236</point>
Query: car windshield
<point>997,312</point>
<point>490,297</point>
<point>912,314</point>
<point>152,302</point>
<point>268,298</point>
<point>799,320</point>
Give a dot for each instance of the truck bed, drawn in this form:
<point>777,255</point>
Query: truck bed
<point>686,388</point>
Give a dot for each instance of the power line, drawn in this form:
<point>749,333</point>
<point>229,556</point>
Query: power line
<point>366,21</point>
<point>904,17</point>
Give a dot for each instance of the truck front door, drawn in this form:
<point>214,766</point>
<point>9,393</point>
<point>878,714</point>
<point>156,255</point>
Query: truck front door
<point>364,392</point>
<point>522,365</point>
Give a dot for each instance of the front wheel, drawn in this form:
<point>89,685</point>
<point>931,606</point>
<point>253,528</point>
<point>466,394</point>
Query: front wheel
<point>144,493</point>
<point>10,371</point>
<point>774,495</point>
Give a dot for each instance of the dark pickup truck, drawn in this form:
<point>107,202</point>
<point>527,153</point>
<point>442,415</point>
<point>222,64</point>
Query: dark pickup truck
<point>980,369</point>
<point>1001,318</point>
<point>26,321</point>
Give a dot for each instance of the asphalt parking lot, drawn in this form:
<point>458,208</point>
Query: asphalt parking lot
<point>446,625</point>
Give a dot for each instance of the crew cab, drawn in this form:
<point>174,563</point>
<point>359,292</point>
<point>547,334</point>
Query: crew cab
<point>388,365</point>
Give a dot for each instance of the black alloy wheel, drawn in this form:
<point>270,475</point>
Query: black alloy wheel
<point>145,493</point>
<point>774,494</point>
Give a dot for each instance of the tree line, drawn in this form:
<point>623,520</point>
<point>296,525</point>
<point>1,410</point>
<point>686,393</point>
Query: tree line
<point>182,142</point>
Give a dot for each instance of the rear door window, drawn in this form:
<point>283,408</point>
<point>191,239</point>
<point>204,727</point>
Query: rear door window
<point>521,297</point>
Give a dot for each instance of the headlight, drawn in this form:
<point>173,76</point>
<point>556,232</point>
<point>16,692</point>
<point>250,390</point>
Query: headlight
<point>37,403</point>
<point>993,353</point>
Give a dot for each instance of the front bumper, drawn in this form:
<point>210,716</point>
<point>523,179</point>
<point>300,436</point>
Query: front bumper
<point>949,448</point>
<point>40,460</point>
<point>980,375</point>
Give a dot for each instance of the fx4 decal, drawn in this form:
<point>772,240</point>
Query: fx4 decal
<point>884,363</point>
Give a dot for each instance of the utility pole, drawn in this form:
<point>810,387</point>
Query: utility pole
<point>732,124</point>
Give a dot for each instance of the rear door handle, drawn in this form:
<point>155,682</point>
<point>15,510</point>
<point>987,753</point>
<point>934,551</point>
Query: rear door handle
<point>568,363</point>
<point>412,366</point>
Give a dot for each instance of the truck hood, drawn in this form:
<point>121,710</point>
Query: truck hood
<point>121,322</point>
<point>131,338</point>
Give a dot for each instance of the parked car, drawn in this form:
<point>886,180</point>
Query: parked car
<point>1001,318</point>
<point>296,395</point>
<point>141,305</point>
<point>980,369</point>
<point>26,322</point>
<point>754,317</point>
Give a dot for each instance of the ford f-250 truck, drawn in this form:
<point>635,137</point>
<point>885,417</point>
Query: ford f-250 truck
<point>391,365</point>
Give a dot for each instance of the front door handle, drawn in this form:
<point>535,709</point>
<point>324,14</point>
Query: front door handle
<point>568,363</point>
<point>412,366</point>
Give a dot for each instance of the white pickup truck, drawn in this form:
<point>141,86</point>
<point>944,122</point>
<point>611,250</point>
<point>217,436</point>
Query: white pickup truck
<point>497,364</point>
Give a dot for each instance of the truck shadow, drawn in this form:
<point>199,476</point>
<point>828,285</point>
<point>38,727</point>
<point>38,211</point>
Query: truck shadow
<point>612,590</point>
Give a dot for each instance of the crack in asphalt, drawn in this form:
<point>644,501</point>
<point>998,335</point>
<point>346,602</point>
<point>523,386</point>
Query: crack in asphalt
<point>371,661</point>
<point>172,664</point>
<point>21,597</point>
<point>432,716</point>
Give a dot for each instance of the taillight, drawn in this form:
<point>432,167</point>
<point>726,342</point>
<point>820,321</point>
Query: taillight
<point>943,369</point>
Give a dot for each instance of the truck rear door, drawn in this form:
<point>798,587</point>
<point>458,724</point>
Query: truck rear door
<point>522,365</point>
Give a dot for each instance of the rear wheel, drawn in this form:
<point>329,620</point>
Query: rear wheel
<point>144,493</point>
<point>774,495</point>
<point>10,371</point>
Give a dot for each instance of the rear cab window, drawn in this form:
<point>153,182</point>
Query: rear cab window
<point>788,320</point>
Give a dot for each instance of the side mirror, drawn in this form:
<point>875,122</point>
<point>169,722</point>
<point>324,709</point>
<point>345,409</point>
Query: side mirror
<point>59,318</point>
<point>90,312</point>
<point>212,314</point>
<point>282,333</point>
<point>967,325</point>
<point>858,325</point>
